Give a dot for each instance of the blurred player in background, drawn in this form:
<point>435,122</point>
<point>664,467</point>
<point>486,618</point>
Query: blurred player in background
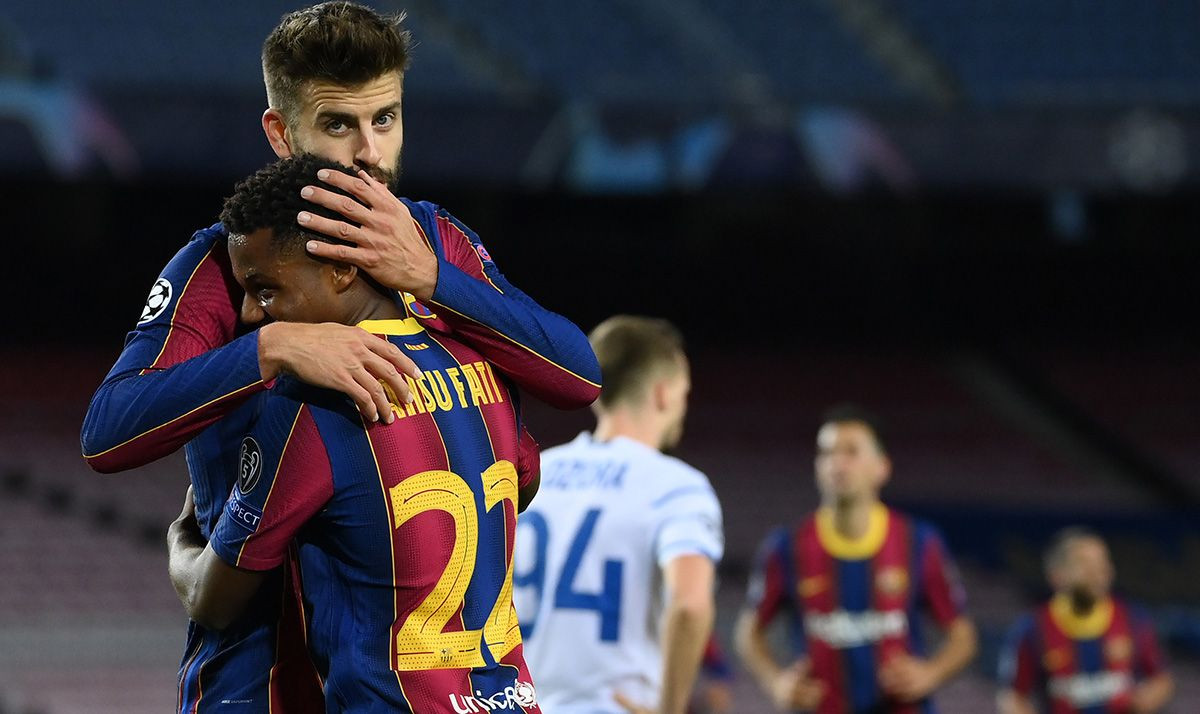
<point>190,370</point>
<point>405,530</point>
<point>1085,650</point>
<point>853,579</point>
<point>616,560</point>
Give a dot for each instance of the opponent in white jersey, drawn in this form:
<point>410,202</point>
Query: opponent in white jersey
<point>615,560</point>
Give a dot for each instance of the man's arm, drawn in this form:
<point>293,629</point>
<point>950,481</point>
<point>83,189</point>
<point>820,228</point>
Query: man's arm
<point>442,263</point>
<point>1009,701</point>
<point>181,369</point>
<point>911,679</point>
<point>790,688</point>
<point>213,592</point>
<point>1157,686</point>
<point>687,624</point>
<point>1020,668</point>
<point>1152,695</point>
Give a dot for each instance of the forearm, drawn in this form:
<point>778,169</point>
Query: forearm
<point>752,647</point>
<point>957,650</point>
<point>686,630</point>
<point>1010,702</point>
<point>185,546</point>
<point>1153,694</point>
<point>138,416</point>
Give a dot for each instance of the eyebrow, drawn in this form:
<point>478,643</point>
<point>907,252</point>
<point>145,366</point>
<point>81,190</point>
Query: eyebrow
<point>348,118</point>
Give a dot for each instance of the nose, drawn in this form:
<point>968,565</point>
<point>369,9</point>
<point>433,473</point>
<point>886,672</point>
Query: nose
<point>368,155</point>
<point>252,313</point>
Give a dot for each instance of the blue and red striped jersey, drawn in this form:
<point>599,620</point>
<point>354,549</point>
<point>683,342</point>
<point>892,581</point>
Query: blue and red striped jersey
<point>187,375</point>
<point>1073,664</point>
<point>852,604</point>
<point>408,528</point>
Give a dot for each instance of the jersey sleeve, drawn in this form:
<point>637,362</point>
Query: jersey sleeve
<point>284,479</point>
<point>941,588</point>
<point>1148,656</point>
<point>1019,657</point>
<point>769,591</point>
<point>529,457</point>
<point>542,351</point>
<point>688,522</point>
<point>181,368</point>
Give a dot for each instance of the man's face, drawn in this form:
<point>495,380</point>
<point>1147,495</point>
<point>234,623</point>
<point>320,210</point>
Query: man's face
<point>676,389</point>
<point>356,126</point>
<point>1086,571</point>
<point>283,285</point>
<point>849,464</point>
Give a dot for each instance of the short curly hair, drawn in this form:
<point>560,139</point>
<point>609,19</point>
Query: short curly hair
<point>344,43</point>
<point>271,199</point>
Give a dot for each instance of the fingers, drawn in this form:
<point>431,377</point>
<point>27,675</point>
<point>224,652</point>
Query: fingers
<point>362,187</point>
<point>392,354</point>
<point>327,226</point>
<point>380,404</point>
<point>362,257</point>
<point>345,205</point>
<point>627,704</point>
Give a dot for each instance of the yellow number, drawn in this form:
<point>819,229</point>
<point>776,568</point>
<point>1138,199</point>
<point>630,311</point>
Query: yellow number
<point>502,632</point>
<point>421,643</point>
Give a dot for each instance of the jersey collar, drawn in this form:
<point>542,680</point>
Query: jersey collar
<point>406,326</point>
<point>1081,627</point>
<point>861,548</point>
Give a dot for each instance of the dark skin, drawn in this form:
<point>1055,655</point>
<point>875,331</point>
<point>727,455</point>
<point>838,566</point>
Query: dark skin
<point>286,285</point>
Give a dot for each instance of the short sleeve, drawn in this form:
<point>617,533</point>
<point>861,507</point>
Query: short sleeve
<point>688,522</point>
<point>1019,657</point>
<point>284,478</point>
<point>941,587</point>
<point>769,591</point>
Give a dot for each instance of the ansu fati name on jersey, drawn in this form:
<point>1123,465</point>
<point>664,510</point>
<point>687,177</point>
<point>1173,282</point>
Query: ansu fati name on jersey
<point>440,390</point>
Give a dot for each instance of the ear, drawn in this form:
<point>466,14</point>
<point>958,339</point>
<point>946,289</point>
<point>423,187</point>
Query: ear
<point>276,130</point>
<point>342,275</point>
<point>885,470</point>
<point>659,393</point>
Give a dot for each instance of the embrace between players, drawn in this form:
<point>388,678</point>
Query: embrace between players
<point>345,370</point>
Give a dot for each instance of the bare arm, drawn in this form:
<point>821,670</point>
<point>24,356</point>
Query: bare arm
<point>789,688</point>
<point>213,592</point>
<point>1153,694</point>
<point>912,679</point>
<point>687,624</point>
<point>1009,701</point>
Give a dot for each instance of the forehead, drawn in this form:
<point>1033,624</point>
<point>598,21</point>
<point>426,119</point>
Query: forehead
<point>843,432</point>
<point>319,96</point>
<point>252,254</point>
<point>1086,547</point>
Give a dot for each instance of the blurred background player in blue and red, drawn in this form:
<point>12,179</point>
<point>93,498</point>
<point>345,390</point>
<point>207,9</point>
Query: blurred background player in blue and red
<point>1085,651</point>
<point>334,76</point>
<point>854,579</point>
<point>408,526</point>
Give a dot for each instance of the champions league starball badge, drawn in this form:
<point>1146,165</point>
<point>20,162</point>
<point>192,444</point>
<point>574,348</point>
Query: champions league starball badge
<point>157,300</point>
<point>249,465</point>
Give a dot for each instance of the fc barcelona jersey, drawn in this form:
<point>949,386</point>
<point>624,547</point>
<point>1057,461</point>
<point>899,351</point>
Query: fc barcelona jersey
<point>1073,664</point>
<point>852,604</point>
<point>405,531</point>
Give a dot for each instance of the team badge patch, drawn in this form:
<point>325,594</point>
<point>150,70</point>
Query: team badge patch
<point>483,252</point>
<point>811,586</point>
<point>249,465</point>
<point>156,301</point>
<point>891,581</point>
<point>1118,649</point>
<point>417,308</point>
<point>1056,659</point>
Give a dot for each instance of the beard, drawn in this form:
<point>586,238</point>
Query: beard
<point>1082,599</point>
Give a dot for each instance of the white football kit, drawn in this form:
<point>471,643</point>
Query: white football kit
<point>586,574</point>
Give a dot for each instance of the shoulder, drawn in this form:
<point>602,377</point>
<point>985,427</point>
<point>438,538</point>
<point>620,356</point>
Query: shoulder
<point>674,479</point>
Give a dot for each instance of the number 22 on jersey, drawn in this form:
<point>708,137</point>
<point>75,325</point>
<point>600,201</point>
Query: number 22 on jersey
<point>420,642</point>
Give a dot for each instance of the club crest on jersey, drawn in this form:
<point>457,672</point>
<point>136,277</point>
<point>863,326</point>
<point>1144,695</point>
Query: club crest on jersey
<point>1056,659</point>
<point>892,581</point>
<point>417,308</point>
<point>156,301</point>
<point>249,465</point>
<point>812,585</point>
<point>483,252</point>
<point>1118,649</point>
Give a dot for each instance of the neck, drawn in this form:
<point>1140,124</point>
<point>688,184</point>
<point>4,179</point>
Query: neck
<point>851,518</point>
<point>372,306</point>
<point>629,424</point>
